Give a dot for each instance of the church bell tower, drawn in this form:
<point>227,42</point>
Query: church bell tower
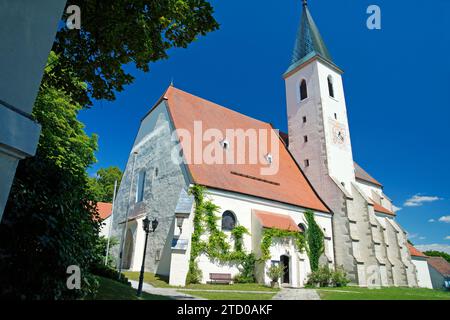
<point>319,136</point>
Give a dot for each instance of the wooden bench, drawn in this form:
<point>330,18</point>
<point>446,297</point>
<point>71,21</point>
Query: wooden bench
<point>221,278</point>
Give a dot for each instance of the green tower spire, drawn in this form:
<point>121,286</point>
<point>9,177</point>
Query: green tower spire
<point>309,42</point>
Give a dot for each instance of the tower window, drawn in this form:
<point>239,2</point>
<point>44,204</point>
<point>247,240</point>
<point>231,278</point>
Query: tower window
<point>330,86</point>
<point>303,90</point>
<point>335,116</point>
<point>304,119</point>
<point>307,163</point>
<point>305,139</point>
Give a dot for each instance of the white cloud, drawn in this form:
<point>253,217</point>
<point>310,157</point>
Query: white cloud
<point>413,235</point>
<point>445,219</point>
<point>418,200</point>
<point>396,209</point>
<point>447,238</point>
<point>431,220</point>
<point>434,247</point>
<point>422,238</point>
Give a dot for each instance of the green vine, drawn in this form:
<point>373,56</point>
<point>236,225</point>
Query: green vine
<point>238,235</point>
<point>269,234</point>
<point>315,240</point>
<point>217,247</point>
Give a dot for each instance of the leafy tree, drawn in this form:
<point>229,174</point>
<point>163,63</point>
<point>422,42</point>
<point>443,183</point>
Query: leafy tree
<point>103,184</point>
<point>120,32</point>
<point>49,221</point>
<point>444,255</point>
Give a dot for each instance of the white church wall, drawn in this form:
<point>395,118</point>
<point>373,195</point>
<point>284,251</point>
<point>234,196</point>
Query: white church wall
<point>423,272</point>
<point>179,262</point>
<point>340,157</point>
<point>314,149</point>
<point>106,225</point>
<point>286,247</point>
<point>369,188</point>
<point>242,206</point>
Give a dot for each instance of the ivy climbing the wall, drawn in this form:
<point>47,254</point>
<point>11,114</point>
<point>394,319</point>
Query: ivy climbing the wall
<point>270,234</point>
<point>216,247</point>
<point>314,240</point>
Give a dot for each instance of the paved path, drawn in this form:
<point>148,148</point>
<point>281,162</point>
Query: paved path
<point>167,292</point>
<point>296,294</point>
<point>230,291</point>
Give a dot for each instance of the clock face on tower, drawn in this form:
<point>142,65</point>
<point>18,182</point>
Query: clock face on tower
<point>339,133</point>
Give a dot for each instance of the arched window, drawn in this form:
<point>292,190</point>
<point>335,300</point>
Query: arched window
<point>228,221</point>
<point>330,86</point>
<point>303,90</point>
<point>302,227</point>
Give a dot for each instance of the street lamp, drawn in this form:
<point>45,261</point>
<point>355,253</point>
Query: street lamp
<point>146,227</point>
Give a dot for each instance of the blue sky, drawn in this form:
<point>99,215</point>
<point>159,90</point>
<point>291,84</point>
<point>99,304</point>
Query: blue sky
<point>397,82</point>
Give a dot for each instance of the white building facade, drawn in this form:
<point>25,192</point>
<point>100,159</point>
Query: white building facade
<point>313,170</point>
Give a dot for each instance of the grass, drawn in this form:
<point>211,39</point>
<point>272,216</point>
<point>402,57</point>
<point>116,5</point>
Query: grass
<point>114,290</point>
<point>231,295</point>
<point>356,293</point>
<point>161,282</point>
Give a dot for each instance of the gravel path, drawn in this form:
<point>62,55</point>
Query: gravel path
<point>296,294</point>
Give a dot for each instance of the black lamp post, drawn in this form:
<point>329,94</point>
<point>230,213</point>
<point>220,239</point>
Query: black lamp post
<point>146,227</point>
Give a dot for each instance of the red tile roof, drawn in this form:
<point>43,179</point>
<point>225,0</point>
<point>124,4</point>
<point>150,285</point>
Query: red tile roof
<point>289,185</point>
<point>379,208</point>
<point>414,252</point>
<point>440,265</point>
<point>276,221</point>
<point>104,209</point>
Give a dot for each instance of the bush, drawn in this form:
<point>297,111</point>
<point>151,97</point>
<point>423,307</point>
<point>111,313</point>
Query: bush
<point>108,272</point>
<point>339,277</point>
<point>247,270</point>
<point>275,272</point>
<point>324,277</point>
<point>194,275</point>
<point>100,251</point>
<point>321,277</point>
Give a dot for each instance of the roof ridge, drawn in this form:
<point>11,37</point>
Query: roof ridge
<point>223,107</point>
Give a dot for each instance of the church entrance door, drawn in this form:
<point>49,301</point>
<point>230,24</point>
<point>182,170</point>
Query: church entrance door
<point>285,263</point>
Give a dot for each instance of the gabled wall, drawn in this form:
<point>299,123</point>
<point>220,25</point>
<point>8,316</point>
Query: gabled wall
<point>163,183</point>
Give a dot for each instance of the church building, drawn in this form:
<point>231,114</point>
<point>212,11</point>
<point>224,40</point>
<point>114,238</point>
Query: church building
<point>308,170</point>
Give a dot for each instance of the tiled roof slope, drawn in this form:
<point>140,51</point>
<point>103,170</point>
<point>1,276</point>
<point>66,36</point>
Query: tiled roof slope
<point>440,265</point>
<point>288,185</point>
<point>276,221</point>
<point>361,174</point>
<point>415,252</point>
<point>104,209</point>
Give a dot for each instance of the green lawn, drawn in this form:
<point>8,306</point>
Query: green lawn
<point>162,283</point>
<point>230,295</point>
<point>114,290</point>
<point>356,293</point>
